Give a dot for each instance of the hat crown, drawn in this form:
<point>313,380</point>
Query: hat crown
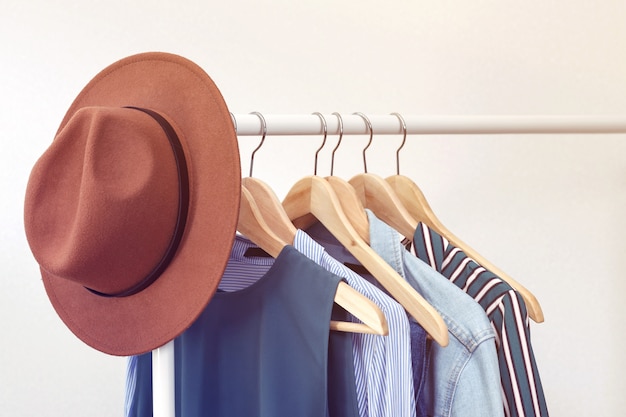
<point>102,202</point>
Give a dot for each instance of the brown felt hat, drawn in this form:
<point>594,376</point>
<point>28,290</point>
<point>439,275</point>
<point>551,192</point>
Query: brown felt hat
<point>132,210</point>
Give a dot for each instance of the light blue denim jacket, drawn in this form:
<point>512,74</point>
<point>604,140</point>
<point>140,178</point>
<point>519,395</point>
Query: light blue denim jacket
<point>463,378</point>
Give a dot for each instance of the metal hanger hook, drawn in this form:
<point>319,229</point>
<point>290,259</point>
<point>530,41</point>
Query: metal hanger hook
<point>325,129</point>
<point>332,157</point>
<point>403,124</point>
<point>264,126</point>
<point>369,126</point>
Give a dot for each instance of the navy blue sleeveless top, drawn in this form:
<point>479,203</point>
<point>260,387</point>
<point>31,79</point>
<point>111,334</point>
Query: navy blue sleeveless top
<point>262,350</point>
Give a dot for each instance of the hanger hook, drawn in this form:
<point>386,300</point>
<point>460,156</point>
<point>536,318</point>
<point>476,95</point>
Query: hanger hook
<point>332,158</point>
<point>325,127</point>
<point>264,126</point>
<point>369,126</point>
<point>403,123</point>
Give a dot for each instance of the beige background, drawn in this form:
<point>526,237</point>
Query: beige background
<point>547,209</point>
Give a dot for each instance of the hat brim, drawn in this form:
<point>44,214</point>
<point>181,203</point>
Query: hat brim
<point>181,91</point>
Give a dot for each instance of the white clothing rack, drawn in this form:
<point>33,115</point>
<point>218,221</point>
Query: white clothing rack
<point>310,124</point>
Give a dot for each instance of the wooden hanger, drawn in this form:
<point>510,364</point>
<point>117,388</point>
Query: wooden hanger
<point>258,204</point>
<point>252,225</point>
<point>352,206</point>
<point>271,210</point>
<point>348,199</point>
<point>415,202</point>
<point>314,195</point>
<point>377,195</point>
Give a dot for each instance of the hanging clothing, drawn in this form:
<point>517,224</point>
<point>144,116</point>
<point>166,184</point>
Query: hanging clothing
<point>521,385</point>
<point>262,350</point>
<point>463,378</point>
<point>383,388</point>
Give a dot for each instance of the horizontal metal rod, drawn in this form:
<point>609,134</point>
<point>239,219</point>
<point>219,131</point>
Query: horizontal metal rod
<point>310,124</point>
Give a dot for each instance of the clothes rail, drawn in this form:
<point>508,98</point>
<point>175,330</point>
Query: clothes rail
<point>305,124</point>
<point>309,124</point>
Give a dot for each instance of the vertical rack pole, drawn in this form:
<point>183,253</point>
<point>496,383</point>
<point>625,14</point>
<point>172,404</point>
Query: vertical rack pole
<point>163,391</point>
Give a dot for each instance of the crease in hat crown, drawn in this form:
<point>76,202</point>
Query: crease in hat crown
<point>117,173</point>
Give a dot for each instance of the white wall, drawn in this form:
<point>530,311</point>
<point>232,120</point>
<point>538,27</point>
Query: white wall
<point>549,210</point>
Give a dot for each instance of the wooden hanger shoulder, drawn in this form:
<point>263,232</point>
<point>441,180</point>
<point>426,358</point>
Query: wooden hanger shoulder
<point>416,203</point>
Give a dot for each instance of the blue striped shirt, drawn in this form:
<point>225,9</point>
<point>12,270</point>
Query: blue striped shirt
<point>383,370</point>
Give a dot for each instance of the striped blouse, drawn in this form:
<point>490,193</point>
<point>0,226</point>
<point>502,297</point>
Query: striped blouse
<point>382,364</point>
<point>521,386</point>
